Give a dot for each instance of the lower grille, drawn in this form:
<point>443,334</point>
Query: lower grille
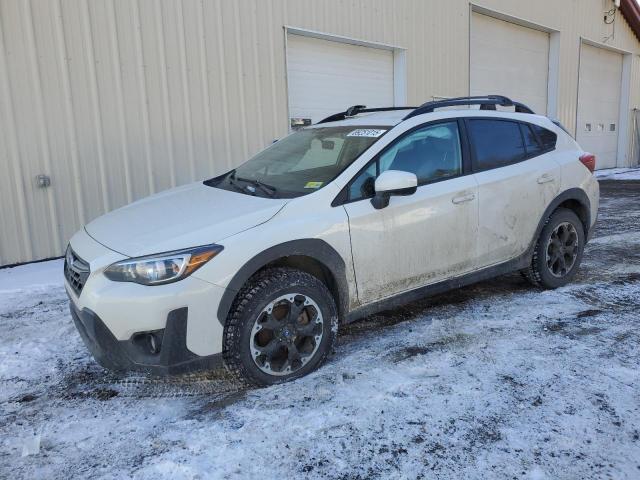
<point>76,271</point>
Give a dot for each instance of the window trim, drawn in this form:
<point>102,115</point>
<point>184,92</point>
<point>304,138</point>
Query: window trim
<point>536,138</point>
<point>343,197</point>
<point>521,125</point>
<point>540,142</point>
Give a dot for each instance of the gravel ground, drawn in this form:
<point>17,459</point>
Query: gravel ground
<point>496,380</point>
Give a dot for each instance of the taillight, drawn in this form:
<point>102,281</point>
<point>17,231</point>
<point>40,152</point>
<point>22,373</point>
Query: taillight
<point>589,161</point>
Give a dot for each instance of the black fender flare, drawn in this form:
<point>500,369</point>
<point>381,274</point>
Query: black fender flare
<point>313,248</point>
<point>576,194</point>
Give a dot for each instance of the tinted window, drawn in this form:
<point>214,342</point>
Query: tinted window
<point>497,143</point>
<point>530,141</point>
<point>432,153</point>
<point>547,137</point>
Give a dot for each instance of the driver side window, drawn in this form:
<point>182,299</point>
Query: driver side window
<point>433,153</point>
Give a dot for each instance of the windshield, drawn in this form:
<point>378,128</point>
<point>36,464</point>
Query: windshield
<point>300,163</point>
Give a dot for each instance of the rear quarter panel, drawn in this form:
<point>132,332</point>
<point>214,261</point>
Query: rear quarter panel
<point>575,174</point>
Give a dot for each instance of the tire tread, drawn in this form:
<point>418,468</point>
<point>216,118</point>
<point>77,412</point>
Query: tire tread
<point>234,323</point>
<point>532,273</point>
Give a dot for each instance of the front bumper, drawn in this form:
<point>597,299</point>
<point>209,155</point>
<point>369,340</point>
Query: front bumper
<point>128,309</point>
<point>170,355</point>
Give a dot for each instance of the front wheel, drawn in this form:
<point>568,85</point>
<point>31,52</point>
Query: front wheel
<point>282,326</point>
<point>558,251</point>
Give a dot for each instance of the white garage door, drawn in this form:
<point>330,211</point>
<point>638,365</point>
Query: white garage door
<point>599,89</point>
<point>510,60</point>
<point>326,77</point>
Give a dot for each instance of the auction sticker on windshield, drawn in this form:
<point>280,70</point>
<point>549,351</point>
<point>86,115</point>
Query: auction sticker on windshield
<point>366,132</point>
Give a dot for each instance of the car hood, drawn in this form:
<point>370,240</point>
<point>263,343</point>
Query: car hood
<point>182,217</point>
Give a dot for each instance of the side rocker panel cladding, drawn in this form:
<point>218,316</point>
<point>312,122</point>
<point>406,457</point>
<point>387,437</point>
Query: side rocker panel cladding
<point>313,248</point>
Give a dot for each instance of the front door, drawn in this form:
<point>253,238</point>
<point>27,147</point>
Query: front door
<point>422,238</point>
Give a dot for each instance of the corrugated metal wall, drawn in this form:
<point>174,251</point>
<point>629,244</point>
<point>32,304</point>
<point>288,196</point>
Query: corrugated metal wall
<point>117,99</point>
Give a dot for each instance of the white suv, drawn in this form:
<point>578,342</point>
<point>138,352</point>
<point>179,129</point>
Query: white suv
<point>367,209</point>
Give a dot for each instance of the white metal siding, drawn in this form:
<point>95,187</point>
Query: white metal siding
<point>510,60</point>
<point>116,99</point>
<point>599,103</point>
<point>325,77</point>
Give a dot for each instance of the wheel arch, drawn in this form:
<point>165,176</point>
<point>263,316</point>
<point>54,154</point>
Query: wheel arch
<point>313,256</point>
<point>574,199</point>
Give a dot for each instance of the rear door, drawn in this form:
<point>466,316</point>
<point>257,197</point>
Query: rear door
<point>517,179</point>
<point>421,238</point>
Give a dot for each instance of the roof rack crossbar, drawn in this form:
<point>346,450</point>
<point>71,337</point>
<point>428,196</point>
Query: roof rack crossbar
<point>485,102</point>
<point>356,109</point>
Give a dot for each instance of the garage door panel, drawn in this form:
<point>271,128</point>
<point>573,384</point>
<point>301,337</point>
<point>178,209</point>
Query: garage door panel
<point>325,77</point>
<point>510,60</point>
<point>599,89</point>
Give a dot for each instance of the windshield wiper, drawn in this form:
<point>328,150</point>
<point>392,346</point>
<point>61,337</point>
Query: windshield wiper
<point>234,184</point>
<point>265,187</point>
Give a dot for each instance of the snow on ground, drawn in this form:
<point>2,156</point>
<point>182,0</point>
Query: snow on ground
<point>496,380</point>
<point>619,174</point>
<point>28,276</point>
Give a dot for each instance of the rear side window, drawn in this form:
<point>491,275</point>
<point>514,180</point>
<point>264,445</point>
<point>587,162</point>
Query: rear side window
<point>547,137</point>
<point>531,142</point>
<point>497,143</point>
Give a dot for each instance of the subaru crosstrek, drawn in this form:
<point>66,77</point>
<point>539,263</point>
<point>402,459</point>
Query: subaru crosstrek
<point>363,211</point>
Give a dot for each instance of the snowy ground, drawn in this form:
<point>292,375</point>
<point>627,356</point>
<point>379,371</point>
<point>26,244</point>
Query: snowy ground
<point>492,381</point>
<point>619,174</point>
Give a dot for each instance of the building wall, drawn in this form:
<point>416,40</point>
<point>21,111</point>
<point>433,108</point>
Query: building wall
<point>118,99</point>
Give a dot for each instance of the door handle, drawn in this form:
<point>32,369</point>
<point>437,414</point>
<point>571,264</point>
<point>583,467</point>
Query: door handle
<point>546,178</point>
<point>463,198</point>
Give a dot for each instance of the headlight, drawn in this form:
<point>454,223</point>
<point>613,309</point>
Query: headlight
<point>162,268</point>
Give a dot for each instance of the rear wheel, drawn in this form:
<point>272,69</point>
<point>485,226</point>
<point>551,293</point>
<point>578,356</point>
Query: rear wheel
<point>558,251</point>
<point>282,326</point>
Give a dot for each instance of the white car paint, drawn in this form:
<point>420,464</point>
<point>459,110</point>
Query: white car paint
<point>417,240</point>
<point>510,197</point>
<point>190,215</point>
<point>415,223</point>
<point>395,180</point>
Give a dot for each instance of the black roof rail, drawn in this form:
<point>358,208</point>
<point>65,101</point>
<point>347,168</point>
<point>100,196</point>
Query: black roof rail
<point>486,102</point>
<point>356,109</point>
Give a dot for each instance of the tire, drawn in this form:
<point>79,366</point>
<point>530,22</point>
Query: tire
<point>558,251</point>
<point>263,344</point>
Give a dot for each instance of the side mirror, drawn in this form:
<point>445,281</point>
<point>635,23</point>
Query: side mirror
<point>393,182</point>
